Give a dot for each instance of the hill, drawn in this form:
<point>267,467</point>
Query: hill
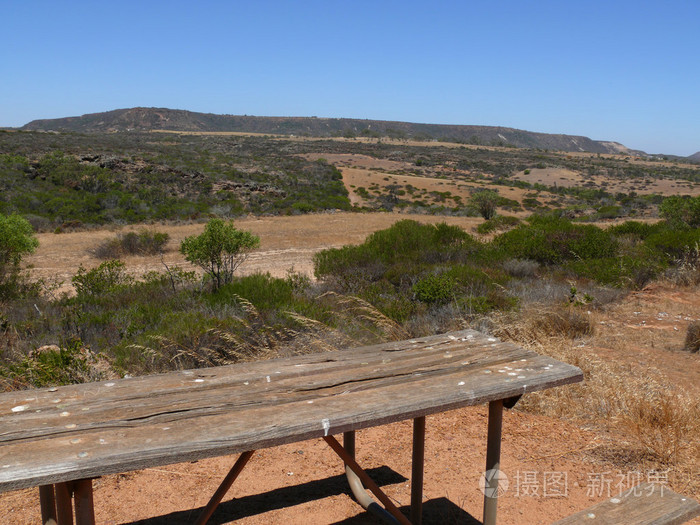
<point>148,119</point>
<point>695,157</point>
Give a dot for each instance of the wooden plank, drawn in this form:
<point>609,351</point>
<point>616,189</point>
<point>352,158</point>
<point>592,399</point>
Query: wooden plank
<point>83,431</point>
<point>646,504</point>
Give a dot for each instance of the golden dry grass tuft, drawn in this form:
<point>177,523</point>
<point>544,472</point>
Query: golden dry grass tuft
<point>692,338</point>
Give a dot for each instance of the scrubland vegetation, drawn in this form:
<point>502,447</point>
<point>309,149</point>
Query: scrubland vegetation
<point>537,280</point>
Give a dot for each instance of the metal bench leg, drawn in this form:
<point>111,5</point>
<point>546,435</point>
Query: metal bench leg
<point>371,485</point>
<point>358,490</point>
<point>84,507</point>
<point>64,503</point>
<point>48,505</point>
<point>493,461</point>
<point>224,487</point>
<point>417,470</point>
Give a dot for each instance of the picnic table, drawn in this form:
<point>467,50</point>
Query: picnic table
<point>59,439</point>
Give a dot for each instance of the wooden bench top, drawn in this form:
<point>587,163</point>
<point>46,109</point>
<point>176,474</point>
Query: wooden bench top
<point>73,432</point>
<point>645,504</point>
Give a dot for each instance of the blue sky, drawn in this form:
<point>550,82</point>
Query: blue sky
<point>614,70</point>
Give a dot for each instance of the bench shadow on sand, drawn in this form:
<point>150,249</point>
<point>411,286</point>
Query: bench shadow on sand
<point>436,511</point>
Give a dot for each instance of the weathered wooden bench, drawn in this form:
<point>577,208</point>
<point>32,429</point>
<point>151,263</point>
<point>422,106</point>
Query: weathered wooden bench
<point>59,439</point>
<point>645,504</point>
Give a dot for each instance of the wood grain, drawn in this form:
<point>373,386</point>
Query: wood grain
<point>646,504</point>
<point>82,431</point>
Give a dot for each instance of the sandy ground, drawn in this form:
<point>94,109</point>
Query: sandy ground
<point>286,243</point>
<point>550,462</point>
<point>568,178</point>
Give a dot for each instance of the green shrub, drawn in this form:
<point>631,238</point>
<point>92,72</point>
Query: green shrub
<point>553,240</point>
<point>625,271</point>
<point>16,240</point>
<point>640,230</point>
<point>261,289</point>
<point>435,289</point>
<point>673,244</point>
<point>681,211</point>
<point>105,279</point>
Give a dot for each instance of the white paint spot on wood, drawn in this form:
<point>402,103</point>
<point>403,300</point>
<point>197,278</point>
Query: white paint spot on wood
<point>19,408</point>
<point>615,500</point>
<point>71,425</point>
<point>521,377</point>
<point>102,441</point>
<point>461,383</point>
<point>512,374</point>
<point>82,454</point>
<point>75,441</point>
<point>109,384</point>
<point>310,402</point>
<point>64,414</point>
<point>166,428</point>
<point>53,389</point>
<point>199,380</point>
<point>188,372</point>
<point>267,378</point>
<point>55,400</point>
<point>491,339</point>
<point>326,424</point>
<point>246,383</point>
<point>487,371</point>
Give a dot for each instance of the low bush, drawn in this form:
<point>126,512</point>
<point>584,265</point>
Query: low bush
<point>104,279</point>
<point>673,244</point>
<point>144,242</point>
<point>552,240</point>
<point>437,289</point>
<point>498,224</point>
<point>520,267</point>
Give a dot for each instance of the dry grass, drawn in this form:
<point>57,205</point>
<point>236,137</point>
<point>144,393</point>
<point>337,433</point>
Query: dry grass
<point>692,338</point>
<point>356,323</point>
<point>644,412</point>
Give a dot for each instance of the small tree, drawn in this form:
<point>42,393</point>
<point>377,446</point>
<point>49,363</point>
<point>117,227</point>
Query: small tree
<point>16,240</point>
<point>219,250</point>
<point>485,202</point>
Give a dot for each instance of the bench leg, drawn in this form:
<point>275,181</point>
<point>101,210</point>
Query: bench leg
<point>358,490</point>
<point>417,470</point>
<point>371,485</point>
<point>64,503</point>
<point>57,503</point>
<point>493,461</point>
<point>48,505</point>
<point>224,487</point>
<point>84,506</point>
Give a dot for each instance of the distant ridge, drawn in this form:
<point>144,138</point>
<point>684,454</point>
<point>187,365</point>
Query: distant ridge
<point>695,157</point>
<point>149,119</point>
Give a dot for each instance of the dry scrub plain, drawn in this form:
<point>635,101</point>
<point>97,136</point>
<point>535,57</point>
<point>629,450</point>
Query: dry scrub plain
<point>636,415</point>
